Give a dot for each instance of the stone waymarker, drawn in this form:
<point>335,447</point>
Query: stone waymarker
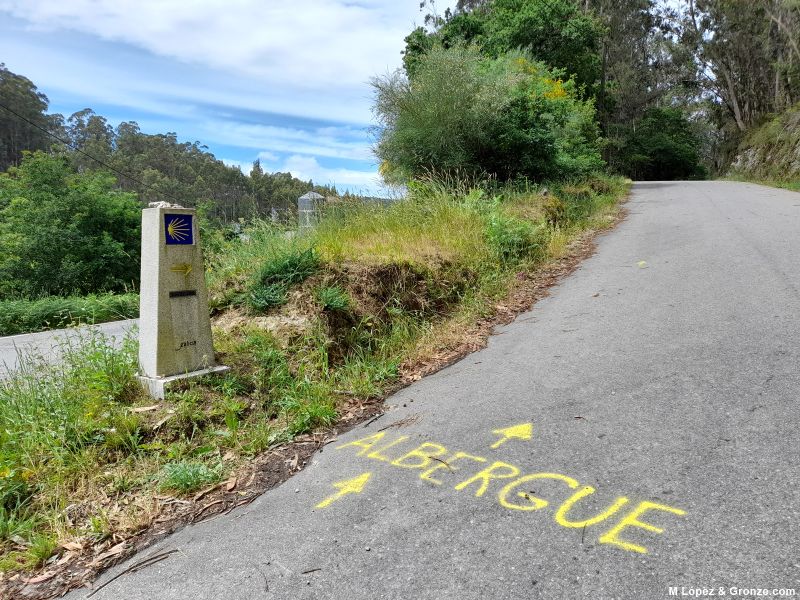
<point>174,326</point>
<point>309,206</point>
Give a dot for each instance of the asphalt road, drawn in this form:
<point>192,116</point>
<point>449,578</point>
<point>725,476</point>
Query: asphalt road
<point>48,345</point>
<point>660,382</point>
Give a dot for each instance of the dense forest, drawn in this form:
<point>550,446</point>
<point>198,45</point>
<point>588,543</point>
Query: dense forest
<point>499,90</point>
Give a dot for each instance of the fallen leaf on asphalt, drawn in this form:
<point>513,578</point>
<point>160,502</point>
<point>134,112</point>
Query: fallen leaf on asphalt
<point>642,264</point>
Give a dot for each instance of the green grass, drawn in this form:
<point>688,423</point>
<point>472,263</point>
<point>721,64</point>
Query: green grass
<point>284,268</point>
<point>333,298</point>
<point>186,476</point>
<point>793,185</point>
<point>27,316</point>
<point>85,454</point>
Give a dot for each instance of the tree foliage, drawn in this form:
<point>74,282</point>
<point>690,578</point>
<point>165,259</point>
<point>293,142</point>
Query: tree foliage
<point>509,116</point>
<point>69,219</point>
<point>63,232</point>
<point>662,146</point>
<point>159,167</point>
<point>747,54</point>
<point>555,32</point>
<point>17,135</point>
<point>624,55</point>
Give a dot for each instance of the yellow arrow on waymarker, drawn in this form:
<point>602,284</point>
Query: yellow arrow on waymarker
<point>184,268</point>
<point>349,486</point>
<point>517,432</point>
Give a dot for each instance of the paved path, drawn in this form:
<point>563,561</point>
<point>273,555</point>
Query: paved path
<point>661,384</point>
<point>47,344</point>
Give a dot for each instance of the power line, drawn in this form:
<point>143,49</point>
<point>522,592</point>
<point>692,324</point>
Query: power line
<point>68,144</point>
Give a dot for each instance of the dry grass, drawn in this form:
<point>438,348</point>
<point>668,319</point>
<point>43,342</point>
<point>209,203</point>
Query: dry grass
<point>417,233</point>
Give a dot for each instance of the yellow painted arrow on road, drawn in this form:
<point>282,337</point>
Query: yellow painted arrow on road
<point>518,432</point>
<point>349,486</point>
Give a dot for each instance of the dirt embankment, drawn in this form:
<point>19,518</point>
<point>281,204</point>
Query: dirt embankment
<point>771,152</point>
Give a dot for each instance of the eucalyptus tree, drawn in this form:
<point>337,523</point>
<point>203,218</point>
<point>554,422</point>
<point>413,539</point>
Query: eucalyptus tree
<point>28,128</point>
<point>747,54</point>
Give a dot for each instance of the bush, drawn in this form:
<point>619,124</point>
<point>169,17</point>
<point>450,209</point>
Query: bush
<point>290,267</point>
<point>464,113</point>
<point>63,232</point>
<point>263,297</point>
<point>555,211</point>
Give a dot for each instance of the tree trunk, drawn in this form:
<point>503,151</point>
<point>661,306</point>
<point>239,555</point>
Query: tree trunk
<point>737,112</point>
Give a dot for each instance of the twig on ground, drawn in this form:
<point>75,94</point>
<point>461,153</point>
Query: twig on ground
<point>443,462</point>
<point>142,564</point>
<point>372,420</point>
<point>205,508</point>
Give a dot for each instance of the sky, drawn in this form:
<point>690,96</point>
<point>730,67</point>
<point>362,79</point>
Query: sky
<point>284,82</point>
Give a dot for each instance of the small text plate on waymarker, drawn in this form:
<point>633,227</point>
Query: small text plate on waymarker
<point>183,293</point>
<point>178,229</point>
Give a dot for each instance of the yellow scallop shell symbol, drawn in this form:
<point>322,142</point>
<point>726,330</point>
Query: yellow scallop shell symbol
<point>178,229</point>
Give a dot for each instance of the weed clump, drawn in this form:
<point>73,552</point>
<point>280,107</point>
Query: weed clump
<point>187,476</point>
<point>333,298</point>
<point>278,273</point>
<point>514,239</point>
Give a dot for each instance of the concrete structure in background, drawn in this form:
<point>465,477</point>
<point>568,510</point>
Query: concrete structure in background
<point>309,207</point>
<point>174,326</point>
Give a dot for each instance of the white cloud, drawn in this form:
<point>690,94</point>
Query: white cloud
<point>314,44</point>
<point>307,167</point>
<point>287,139</point>
<point>311,58</point>
<point>268,156</point>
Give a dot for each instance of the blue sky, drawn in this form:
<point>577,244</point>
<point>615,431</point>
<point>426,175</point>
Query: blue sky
<point>283,82</point>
